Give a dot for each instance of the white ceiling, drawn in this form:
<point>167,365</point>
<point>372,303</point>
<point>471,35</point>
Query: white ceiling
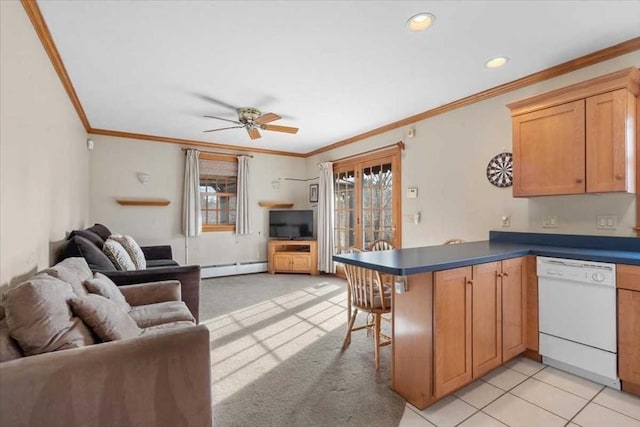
<point>334,69</point>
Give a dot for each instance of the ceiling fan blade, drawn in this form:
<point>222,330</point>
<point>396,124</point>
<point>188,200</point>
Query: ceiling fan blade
<point>226,120</point>
<point>215,101</point>
<point>253,133</point>
<point>266,118</point>
<point>277,128</point>
<point>231,127</point>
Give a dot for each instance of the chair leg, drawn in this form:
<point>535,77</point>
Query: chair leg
<point>376,339</point>
<point>347,338</point>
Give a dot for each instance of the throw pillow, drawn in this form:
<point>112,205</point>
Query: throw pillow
<point>105,318</point>
<point>74,271</point>
<point>100,230</point>
<point>90,236</point>
<point>78,246</point>
<point>103,286</point>
<point>39,318</point>
<point>133,249</point>
<point>9,349</point>
<point>118,255</point>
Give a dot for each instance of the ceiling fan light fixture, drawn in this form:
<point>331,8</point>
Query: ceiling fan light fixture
<point>496,62</point>
<point>421,21</point>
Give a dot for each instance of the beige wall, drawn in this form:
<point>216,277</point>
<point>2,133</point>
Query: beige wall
<point>114,164</point>
<point>44,177</point>
<point>447,160</point>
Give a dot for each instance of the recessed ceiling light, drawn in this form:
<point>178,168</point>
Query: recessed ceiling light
<point>421,21</point>
<point>496,62</point>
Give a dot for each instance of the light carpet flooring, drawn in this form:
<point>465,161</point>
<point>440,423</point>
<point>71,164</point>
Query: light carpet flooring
<point>277,361</point>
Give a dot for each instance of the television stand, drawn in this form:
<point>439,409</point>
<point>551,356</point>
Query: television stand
<point>293,256</point>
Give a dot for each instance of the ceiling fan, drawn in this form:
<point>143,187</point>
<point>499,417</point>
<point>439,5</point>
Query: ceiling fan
<point>253,120</point>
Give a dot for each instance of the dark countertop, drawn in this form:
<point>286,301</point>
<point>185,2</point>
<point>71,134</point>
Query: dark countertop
<point>502,245</point>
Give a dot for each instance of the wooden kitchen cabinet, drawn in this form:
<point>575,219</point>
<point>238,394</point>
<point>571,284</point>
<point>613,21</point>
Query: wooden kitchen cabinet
<point>293,256</point>
<point>628,283</point>
<point>480,316</point>
<point>577,139</point>
<point>452,325</point>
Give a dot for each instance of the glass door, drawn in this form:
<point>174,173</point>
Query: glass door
<point>367,200</point>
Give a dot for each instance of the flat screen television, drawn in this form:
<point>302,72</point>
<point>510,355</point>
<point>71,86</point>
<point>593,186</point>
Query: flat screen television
<point>291,224</point>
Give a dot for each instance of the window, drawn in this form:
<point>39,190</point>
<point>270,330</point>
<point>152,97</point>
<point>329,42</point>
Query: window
<point>218,191</point>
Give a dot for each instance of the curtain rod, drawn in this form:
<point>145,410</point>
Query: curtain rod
<point>217,152</point>
<point>397,144</point>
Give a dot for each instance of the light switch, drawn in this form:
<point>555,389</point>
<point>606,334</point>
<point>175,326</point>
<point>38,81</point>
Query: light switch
<point>412,193</point>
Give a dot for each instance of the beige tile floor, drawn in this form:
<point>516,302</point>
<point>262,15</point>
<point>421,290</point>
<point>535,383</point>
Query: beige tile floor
<point>524,393</point>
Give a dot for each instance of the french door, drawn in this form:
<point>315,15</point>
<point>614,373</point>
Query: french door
<point>367,200</point>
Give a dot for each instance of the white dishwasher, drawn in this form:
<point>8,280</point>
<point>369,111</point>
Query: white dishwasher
<point>577,318</point>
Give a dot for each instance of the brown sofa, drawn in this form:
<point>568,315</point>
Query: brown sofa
<point>158,378</point>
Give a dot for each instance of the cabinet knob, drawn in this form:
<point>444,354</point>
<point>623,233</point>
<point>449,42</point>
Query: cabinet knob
<point>578,181</point>
<point>469,282</point>
<point>505,274</point>
<point>499,274</point>
<point>619,177</point>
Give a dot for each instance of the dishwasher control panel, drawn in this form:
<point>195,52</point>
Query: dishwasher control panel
<point>598,273</point>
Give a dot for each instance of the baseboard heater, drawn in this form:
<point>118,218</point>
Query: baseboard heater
<point>208,271</point>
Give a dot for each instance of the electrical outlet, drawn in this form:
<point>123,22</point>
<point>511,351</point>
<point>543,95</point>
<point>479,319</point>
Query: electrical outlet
<point>606,222</point>
<point>506,220</point>
<point>550,221</point>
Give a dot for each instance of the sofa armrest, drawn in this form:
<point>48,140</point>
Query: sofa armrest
<point>187,275</point>
<point>157,252</point>
<point>151,293</point>
<point>153,380</point>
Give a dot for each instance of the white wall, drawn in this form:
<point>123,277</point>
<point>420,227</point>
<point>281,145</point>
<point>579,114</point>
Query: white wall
<point>44,175</point>
<point>114,164</point>
<point>447,161</point>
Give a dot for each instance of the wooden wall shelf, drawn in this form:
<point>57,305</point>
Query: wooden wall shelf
<point>142,201</point>
<point>275,204</point>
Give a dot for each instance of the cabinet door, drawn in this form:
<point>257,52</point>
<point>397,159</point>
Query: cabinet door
<point>609,124</point>
<point>282,262</point>
<point>486,320</point>
<point>629,335</point>
<point>514,308</point>
<point>301,262</point>
<point>549,151</point>
<point>452,324</point>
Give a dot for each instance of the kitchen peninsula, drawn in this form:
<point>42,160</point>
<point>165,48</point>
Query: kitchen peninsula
<point>467,308</point>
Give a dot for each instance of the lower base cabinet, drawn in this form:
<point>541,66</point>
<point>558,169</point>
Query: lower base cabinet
<point>478,322</point>
<point>628,282</point>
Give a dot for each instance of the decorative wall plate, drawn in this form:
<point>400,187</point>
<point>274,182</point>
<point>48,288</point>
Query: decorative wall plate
<point>500,170</point>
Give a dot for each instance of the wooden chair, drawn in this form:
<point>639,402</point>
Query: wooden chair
<point>381,245</point>
<point>367,293</point>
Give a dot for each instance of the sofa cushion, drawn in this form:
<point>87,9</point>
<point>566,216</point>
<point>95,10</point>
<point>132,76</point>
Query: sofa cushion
<point>132,248</point>
<point>103,286</point>
<point>118,255</point>
<point>9,348</point>
<point>39,317</point>
<point>100,230</point>
<point>90,236</point>
<point>74,271</point>
<point>167,327</point>
<point>78,246</point>
<point>161,263</point>
<point>161,312</point>
<point>105,318</point>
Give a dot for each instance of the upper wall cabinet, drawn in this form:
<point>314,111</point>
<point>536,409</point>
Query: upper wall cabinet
<point>578,139</point>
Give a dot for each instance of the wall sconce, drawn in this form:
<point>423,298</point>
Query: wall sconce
<point>275,184</point>
<point>143,177</point>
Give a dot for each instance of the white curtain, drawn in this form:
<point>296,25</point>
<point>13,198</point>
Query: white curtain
<point>191,220</point>
<point>242,205</point>
<point>325,218</point>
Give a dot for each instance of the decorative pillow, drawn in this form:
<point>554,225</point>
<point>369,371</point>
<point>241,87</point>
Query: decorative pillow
<point>100,230</point>
<point>107,319</point>
<point>74,271</point>
<point>103,286</point>
<point>78,246</point>
<point>9,349</point>
<point>118,255</point>
<point>39,318</point>
<point>90,236</point>
<point>133,249</point>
